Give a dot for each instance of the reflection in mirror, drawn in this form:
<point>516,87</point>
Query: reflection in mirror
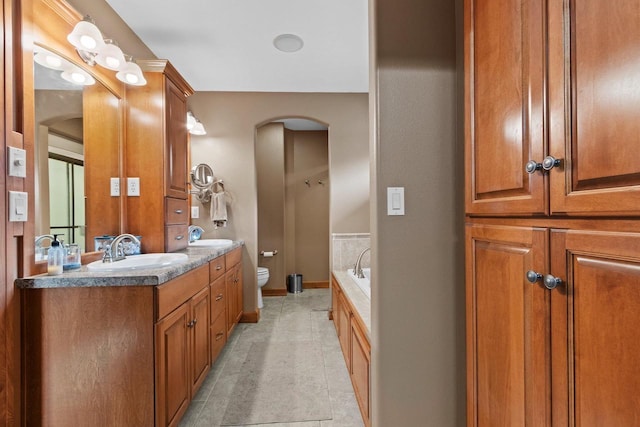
<point>203,179</point>
<point>77,141</point>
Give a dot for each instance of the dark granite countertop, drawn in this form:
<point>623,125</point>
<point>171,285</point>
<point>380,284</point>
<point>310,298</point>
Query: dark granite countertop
<point>82,277</point>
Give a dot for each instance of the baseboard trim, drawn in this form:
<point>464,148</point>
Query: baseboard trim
<point>250,317</point>
<point>323,284</point>
<point>274,292</point>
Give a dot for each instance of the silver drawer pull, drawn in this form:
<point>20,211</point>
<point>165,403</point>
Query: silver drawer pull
<point>178,211</point>
<point>218,267</point>
<point>180,237</point>
<point>219,297</point>
<point>219,336</point>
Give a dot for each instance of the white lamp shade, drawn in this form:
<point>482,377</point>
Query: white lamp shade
<point>191,120</point>
<point>86,36</point>
<point>131,74</point>
<point>110,56</point>
<point>50,60</point>
<point>198,129</point>
<point>78,76</point>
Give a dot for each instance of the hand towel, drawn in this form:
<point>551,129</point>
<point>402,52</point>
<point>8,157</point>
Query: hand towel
<point>219,209</point>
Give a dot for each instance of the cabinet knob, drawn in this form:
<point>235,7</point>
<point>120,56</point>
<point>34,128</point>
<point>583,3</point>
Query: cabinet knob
<point>178,211</point>
<point>179,237</point>
<point>218,267</point>
<point>219,336</point>
<point>550,162</point>
<point>533,166</point>
<point>550,282</point>
<point>219,297</point>
<point>533,277</point>
<point>190,324</point>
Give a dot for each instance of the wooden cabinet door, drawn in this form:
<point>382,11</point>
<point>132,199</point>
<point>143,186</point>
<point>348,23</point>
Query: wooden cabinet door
<point>504,106</point>
<point>507,327</point>
<point>172,366</point>
<point>239,292</point>
<point>232,296</point>
<point>360,368</point>
<point>594,99</point>
<point>344,328</point>
<point>200,339</point>
<point>177,140</point>
<point>596,329</point>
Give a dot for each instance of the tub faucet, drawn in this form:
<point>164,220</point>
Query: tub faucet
<point>357,268</point>
<point>195,232</point>
<point>115,251</point>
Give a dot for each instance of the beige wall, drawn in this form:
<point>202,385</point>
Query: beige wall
<point>231,119</point>
<point>418,272</point>
<point>270,175</point>
<point>311,205</point>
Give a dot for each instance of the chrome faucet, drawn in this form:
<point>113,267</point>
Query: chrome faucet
<point>195,232</point>
<point>357,268</point>
<point>115,251</point>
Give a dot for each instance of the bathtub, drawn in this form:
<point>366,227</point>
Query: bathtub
<point>364,284</point>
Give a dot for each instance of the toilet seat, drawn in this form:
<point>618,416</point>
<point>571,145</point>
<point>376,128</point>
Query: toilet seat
<point>263,271</point>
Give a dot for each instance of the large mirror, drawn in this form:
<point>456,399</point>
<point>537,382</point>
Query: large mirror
<point>77,152</point>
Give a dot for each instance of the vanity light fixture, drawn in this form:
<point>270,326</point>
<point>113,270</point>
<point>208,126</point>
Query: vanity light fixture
<point>77,75</point>
<point>131,74</point>
<point>94,49</point>
<point>198,129</point>
<point>191,120</point>
<point>49,60</point>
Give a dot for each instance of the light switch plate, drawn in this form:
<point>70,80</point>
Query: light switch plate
<point>18,206</point>
<point>17,160</point>
<point>395,200</point>
<point>133,186</point>
<point>195,212</point>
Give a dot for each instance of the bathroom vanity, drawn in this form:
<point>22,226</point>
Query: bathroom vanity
<point>127,348</point>
<point>352,318</point>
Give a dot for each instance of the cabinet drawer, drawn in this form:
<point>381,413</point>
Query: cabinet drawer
<point>218,298</point>
<point>233,257</point>
<point>176,237</point>
<point>216,268</point>
<point>218,336</point>
<point>176,211</point>
<point>172,294</point>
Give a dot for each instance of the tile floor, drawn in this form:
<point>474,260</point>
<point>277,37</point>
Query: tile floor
<point>294,318</point>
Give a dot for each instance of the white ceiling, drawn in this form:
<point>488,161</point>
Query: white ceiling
<point>227,45</point>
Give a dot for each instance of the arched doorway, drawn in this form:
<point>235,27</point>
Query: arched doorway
<point>292,172</point>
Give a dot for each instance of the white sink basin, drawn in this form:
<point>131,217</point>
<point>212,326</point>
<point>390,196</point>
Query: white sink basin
<point>212,242</point>
<point>139,262</point>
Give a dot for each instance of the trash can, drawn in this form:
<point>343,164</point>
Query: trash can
<point>294,283</point>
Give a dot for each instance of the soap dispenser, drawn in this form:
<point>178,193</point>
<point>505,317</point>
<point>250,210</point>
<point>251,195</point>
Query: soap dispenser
<point>55,257</point>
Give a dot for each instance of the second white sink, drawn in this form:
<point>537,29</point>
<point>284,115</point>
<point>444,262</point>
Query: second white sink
<point>139,262</point>
<point>212,242</point>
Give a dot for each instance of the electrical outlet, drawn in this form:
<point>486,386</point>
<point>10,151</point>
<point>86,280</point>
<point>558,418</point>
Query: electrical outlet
<point>133,186</point>
<point>195,212</point>
<point>115,186</point>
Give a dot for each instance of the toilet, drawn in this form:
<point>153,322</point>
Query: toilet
<point>263,278</point>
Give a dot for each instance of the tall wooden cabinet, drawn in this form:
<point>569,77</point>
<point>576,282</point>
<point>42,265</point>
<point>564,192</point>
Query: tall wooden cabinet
<point>552,203</point>
<point>157,153</point>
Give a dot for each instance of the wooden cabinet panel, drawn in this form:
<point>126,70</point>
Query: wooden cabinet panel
<point>200,339</point>
<point>360,368</point>
<point>594,99</point>
<point>504,76</point>
<point>172,294</point>
<point>507,327</point>
<point>218,336</point>
<point>595,323</point>
<point>172,367</point>
<point>335,303</point>
<point>218,298</point>
<point>233,285</point>
<point>177,140</point>
<point>216,268</point>
<point>344,329</point>
<point>176,237</point>
<point>176,211</point>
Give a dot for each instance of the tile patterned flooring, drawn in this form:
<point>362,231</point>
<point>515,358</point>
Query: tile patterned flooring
<point>294,318</point>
